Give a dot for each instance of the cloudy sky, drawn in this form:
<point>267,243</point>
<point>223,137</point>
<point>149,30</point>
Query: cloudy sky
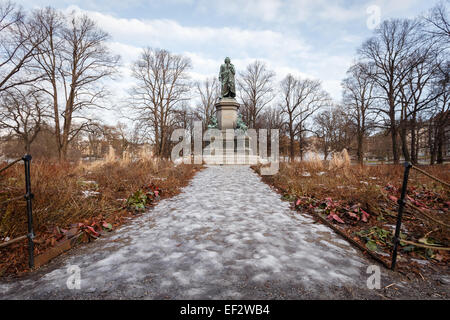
<point>309,38</point>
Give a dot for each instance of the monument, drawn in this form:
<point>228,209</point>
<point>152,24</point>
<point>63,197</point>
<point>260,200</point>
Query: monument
<point>236,143</point>
<point>227,107</point>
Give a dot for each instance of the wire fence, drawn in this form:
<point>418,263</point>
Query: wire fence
<point>401,206</point>
<point>29,199</point>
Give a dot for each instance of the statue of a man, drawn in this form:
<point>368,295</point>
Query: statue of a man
<point>226,78</point>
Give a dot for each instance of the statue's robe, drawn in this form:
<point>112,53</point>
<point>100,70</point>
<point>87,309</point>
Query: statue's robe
<point>226,77</point>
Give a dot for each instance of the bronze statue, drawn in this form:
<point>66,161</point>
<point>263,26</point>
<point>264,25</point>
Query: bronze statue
<point>226,78</point>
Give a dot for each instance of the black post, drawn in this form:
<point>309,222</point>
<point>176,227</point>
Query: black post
<point>29,196</point>
<point>401,205</point>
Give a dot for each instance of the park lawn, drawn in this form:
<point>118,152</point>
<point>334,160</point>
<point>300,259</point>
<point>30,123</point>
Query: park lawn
<point>360,201</point>
<point>86,199</point>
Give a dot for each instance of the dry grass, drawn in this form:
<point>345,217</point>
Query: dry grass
<point>314,162</point>
<point>339,160</point>
<point>374,190</point>
<point>350,183</point>
<point>67,193</point>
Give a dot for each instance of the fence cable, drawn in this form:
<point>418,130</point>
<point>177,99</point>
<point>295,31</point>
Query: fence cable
<point>10,165</point>
<point>432,177</point>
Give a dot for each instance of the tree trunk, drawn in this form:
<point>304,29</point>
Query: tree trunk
<point>56,118</point>
<point>65,138</point>
<point>291,145</point>
<point>431,143</point>
<point>440,140</point>
<point>27,145</point>
<point>433,153</point>
<point>413,140</point>
<point>300,149</point>
<point>417,142</point>
<point>403,134</point>
<point>291,139</point>
<point>394,144</point>
<point>393,129</point>
<point>325,153</point>
<point>360,151</point>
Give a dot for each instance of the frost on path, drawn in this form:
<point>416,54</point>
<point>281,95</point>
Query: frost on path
<point>226,236</point>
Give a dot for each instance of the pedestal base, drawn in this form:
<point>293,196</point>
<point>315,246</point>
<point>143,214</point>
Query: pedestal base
<point>232,148</point>
<point>226,113</point>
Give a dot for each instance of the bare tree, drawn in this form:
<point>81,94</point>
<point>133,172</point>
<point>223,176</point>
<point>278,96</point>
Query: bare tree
<point>416,96</point>
<point>358,98</point>
<point>439,115</point>
<point>437,27</point>
<point>324,127</point>
<point>75,60</point>
<point>390,53</point>
<point>256,91</point>
<point>22,113</point>
<point>18,41</point>
<point>271,118</point>
<point>301,99</point>
<point>162,85</point>
<point>209,94</point>
<point>123,133</point>
<point>438,24</point>
<point>333,129</point>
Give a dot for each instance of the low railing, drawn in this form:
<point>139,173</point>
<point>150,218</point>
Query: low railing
<point>29,198</point>
<point>401,206</point>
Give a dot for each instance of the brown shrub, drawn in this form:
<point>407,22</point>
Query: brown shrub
<point>339,160</point>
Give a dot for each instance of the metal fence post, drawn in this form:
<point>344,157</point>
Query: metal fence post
<point>401,205</point>
<point>29,196</point>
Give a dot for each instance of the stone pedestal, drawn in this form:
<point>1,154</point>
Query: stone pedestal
<point>226,113</point>
<point>232,146</point>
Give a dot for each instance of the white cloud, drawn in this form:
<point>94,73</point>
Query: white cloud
<point>267,10</point>
<point>314,11</point>
<point>293,10</point>
<point>205,46</point>
<point>307,38</point>
<point>169,34</point>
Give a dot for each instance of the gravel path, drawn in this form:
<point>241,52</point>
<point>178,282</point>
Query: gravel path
<point>226,236</point>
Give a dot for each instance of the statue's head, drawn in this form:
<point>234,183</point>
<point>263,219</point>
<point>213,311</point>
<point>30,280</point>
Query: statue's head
<point>227,60</point>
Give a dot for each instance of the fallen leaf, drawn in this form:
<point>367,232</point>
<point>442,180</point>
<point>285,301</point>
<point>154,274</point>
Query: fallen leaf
<point>334,216</point>
<point>371,245</point>
<point>393,198</point>
<point>364,215</point>
<point>107,226</point>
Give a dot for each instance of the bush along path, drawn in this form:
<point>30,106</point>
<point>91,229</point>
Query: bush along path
<point>227,235</point>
